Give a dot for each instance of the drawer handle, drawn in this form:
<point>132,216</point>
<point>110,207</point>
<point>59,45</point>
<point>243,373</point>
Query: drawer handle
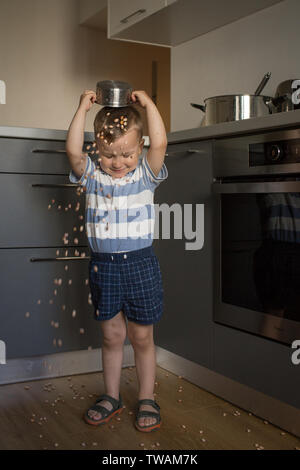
<point>47,151</point>
<point>66,258</point>
<point>70,185</point>
<point>186,151</point>
<point>138,12</point>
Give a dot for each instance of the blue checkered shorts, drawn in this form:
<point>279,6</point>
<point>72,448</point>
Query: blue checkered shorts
<point>130,282</point>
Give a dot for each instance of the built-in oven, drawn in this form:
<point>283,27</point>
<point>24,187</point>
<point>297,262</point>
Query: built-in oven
<point>257,234</point>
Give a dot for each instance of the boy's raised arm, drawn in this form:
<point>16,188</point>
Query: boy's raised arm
<point>75,136</point>
<point>157,131</point>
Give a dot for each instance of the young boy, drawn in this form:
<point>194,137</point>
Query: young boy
<point>124,272</point>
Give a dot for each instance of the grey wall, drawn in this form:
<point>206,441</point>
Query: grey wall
<point>233,59</point>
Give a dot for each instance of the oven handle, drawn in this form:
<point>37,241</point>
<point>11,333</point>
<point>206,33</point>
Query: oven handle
<point>257,187</point>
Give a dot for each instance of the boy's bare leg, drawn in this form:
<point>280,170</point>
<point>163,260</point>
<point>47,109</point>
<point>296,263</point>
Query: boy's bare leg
<point>113,337</point>
<point>141,338</point>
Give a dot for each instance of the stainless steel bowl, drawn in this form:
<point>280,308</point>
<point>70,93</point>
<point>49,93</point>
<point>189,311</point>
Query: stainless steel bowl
<point>113,93</point>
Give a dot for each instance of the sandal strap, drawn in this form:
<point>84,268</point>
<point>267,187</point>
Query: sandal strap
<point>148,401</point>
<point>152,414</point>
<point>115,403</point>
<point>101,409</point>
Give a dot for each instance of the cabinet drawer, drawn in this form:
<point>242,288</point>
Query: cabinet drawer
<point>26,219</point>
<point>24,283</point>
<point>124,14</point>
<point>33,156</point>
<point>190,159</point>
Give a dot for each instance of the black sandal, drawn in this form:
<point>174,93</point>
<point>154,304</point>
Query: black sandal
<point>148,414</point>
<point>117,408</point>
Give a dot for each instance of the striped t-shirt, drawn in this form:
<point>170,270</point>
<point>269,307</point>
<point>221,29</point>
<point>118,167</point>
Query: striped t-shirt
<point>119,212</point>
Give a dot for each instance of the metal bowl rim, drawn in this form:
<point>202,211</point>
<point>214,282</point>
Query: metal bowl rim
<point>241,94</point>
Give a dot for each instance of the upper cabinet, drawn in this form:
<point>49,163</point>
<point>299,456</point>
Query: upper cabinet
<point>122,15</point>
<point>165,22</point>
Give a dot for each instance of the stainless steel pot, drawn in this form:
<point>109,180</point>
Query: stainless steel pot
<point>229,108</point>
<point>283,96</point>
<point>113,93</point>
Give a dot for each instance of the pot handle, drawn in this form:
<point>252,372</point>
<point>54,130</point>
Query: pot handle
<point>263,83</point>
<point>198,106</point>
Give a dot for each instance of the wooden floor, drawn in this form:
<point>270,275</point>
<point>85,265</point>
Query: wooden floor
<point>44,414</point>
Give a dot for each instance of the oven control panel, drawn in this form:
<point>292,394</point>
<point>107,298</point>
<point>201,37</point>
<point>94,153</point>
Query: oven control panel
<point>273,153</point>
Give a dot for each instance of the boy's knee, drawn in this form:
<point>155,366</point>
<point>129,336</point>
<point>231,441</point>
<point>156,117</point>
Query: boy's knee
<point>142,338</point>
<point>114,338</point>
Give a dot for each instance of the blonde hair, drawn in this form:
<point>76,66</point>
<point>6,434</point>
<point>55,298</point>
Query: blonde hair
<point>112,123</point>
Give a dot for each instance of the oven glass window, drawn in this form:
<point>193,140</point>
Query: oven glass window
<point>260,246</point>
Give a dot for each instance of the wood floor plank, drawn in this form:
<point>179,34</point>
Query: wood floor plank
<point>48,414</point>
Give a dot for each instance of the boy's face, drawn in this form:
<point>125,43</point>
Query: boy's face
<point>121,156</point>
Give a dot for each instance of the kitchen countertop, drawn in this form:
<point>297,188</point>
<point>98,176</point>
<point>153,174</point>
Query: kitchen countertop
<point>39,133</point>
<point>288,119</point>
<point>273,121</point>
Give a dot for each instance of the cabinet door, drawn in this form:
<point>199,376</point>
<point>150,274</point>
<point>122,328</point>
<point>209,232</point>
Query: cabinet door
<point>33,156</point>
<point>122,15</point>
<point>35,311</point>
<point>38,210</point>
<point>186,324</point>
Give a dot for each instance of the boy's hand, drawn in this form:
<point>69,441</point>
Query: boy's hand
<point>141,98</point>
<point>87,99</point>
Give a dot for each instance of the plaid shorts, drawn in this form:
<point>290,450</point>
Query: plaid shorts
<point>130,282</point>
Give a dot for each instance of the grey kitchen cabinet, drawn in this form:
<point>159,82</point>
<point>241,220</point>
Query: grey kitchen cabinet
<point>39,210</point>
<point>33,156</point>
<point>186,325</point>
<point>123,14</point>
<point>45,304</point>
<point>173,22</point>
<point>33,283</point>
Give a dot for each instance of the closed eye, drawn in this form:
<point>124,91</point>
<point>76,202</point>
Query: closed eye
<point>110,156</point>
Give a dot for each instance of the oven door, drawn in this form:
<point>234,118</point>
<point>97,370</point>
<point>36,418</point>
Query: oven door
<point>257,257</point>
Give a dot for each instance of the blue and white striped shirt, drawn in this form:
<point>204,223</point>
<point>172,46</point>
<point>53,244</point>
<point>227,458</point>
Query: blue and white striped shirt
<point>123,221</point>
